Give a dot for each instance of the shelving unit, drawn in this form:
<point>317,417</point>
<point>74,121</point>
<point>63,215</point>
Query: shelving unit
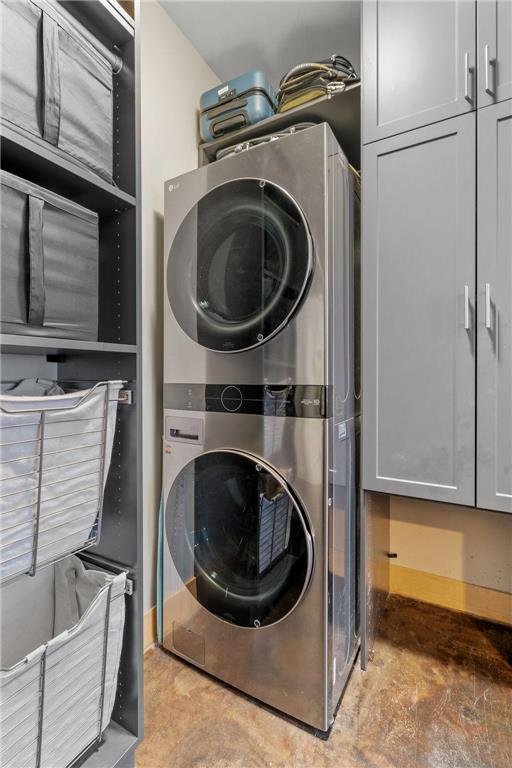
<point>117,354</point>
<point>341,110</point>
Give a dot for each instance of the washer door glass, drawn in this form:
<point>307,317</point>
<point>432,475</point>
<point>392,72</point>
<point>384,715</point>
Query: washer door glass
<point>239,265</point>
<point>238,539</point>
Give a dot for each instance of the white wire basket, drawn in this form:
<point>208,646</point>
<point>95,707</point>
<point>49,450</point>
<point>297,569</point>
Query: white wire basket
<point>55,455</point>
<point>62,635</point>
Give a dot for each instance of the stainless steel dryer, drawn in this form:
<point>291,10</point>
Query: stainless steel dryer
<point>249,246</point>
<point>259,572</point>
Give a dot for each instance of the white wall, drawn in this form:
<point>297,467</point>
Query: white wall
<point>470,545</point>
<point>270,35</point>
<point>173,76</point>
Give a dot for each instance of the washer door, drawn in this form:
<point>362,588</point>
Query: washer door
<point>239,265</point>
<point>238,538</point>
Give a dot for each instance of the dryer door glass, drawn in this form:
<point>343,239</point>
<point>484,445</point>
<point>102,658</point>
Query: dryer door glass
<point>238,539</point>
<point>239,265</point>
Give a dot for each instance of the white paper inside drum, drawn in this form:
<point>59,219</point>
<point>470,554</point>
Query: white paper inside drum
<point>61,636</point>
<point>54,459</point>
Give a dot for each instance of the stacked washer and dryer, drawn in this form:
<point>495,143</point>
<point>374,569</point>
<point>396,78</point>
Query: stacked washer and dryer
<point>259,546</point>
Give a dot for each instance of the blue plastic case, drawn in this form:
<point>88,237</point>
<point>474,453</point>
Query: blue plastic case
<point>245,100</point>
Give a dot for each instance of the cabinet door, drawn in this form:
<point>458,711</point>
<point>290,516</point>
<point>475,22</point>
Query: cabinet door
<point>494,51</point>
<point>494,380</point>
<point>418,64</point>
<point>418,313</point>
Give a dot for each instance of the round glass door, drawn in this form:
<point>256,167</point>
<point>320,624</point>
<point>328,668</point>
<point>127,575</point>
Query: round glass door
<point>238,538</point>
<point>239,265</point>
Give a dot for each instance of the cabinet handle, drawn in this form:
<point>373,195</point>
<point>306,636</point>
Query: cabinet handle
<point>488,64</point>
<point>466,307</point>
<point>467,74</point>
<point>488,323</point>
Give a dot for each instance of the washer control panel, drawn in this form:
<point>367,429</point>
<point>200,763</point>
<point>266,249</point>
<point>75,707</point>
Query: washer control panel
<point>231,398</point>
<point>302,400</point>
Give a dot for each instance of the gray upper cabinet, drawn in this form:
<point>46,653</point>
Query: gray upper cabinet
<point>494,51</point>
<point>418,65</point>
<point>418,312</point>
<point>494,380</point>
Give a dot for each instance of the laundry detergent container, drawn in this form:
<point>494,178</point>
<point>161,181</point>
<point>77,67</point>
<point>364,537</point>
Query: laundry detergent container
<point>61,634</point>
<point>57,83</point>
<point>49,266</point>
<point>55,455</point>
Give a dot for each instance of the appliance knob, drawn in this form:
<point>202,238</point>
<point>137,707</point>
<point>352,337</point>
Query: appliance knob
<point>231,398</point>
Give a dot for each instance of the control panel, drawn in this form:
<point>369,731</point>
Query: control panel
<point>301,400</point>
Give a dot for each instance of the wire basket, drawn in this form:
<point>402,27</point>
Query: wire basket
<point>61,646</point>
<point>54,459</point>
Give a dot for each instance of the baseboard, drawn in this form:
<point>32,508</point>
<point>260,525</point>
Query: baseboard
<point>439,590</point>
<point>449,593</point>
<point>149,628</point>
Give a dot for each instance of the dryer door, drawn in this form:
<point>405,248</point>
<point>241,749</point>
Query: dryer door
<point>239,265</point>
<point>238,538</point>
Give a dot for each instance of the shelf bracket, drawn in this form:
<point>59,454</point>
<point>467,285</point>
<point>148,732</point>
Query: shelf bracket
<point>125,397</point>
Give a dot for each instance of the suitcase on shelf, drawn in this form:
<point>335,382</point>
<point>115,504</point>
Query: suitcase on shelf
<point>61,635</point>
<point>49,266</point>
<point>243,101</point>
<point>56,83</point>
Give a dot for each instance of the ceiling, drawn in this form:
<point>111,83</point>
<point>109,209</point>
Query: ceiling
<point>234,37</point>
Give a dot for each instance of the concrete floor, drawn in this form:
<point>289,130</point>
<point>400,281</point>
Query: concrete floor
<point>437,695</point>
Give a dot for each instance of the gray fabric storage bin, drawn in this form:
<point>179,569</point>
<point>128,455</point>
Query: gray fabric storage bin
<point>49,265</point>
<point>55,454</point>
<point>57,85</point>
<point>61,634</point>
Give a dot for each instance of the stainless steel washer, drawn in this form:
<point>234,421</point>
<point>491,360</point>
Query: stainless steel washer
<point>259,554</point>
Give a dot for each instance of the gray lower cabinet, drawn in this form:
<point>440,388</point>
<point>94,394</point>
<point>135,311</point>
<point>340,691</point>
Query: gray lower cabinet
<point>494,51</point>
<point>418,313</point>
<point>494,379</point>
<point>418,64</point>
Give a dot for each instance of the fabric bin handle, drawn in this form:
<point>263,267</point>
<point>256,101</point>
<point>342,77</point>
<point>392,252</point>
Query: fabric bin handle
<point>51,80</point>
<point>36,298</point>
